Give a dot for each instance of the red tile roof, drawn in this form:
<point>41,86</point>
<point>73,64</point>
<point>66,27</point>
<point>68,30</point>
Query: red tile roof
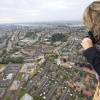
<point>70,84</point>
<point>78,89</point>
<point>87,78</point>
<point>27,53</point>
<point>89,71</point>
<point>87,93</point>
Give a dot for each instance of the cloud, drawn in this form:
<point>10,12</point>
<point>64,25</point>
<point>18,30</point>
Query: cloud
<point>5,19</point>
<point>41,10</point>
<point>59,5</point>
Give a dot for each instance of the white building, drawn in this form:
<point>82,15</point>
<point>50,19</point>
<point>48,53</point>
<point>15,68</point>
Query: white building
<point>10,76</point>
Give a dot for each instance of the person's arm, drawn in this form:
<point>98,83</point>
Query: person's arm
<point>93,57</point>
<point>91,54</point>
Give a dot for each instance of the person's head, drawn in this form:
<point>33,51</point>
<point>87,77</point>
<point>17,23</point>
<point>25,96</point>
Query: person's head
<point>91,18</point>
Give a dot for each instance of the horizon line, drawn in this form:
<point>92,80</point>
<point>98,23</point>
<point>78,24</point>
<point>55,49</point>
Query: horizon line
<point>34,22</point>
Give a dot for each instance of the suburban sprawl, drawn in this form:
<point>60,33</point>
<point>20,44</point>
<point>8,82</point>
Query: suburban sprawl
<point>44,61</point>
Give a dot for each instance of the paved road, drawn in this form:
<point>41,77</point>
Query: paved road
<point>42,85</point>
<point>29,86</point>
<point>50,93</point>
<point>35,79</point>
<point>14,97</point>
<point>63,97</point>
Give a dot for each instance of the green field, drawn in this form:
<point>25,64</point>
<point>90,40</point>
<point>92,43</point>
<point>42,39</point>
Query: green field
<point>19,77</point>
<point>21,93</point>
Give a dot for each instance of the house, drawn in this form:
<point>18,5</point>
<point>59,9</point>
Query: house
<point>78,89</point>
<point>87,93</point>
<point>89,71</point>
<point>41,62</point>
<point>25,77</point>
<point>10,76</point>
<point>27,52</point>
<point>87,79</point>
<point>15,86</point>
<point>12,68</point>
<point>5,82</point>
<point>27,97</point>
<point>70,84</point>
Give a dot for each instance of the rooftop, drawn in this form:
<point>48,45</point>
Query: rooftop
<point>10,76</point>
<point>87,93</point>
<point>89,71</point>
<point>87,78</point>
<point>27,53</point>
<point>78,89</point>
<point>24,68</point>
<point>70,84</point>
<point>27,97</point>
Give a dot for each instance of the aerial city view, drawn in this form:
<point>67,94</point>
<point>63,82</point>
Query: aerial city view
<point>41,56</point>
<point>44,61</point>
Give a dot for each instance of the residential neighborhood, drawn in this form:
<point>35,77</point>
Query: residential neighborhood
<point>44,61</point>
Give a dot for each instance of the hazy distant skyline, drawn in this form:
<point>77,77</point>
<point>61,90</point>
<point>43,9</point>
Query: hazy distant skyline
<point>14,11</point>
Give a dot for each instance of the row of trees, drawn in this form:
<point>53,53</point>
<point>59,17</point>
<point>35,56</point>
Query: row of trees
<point>13,60</point>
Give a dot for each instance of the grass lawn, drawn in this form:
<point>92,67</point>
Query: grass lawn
<point>21,93</point>
<point>36,97</point>
<point>19,77</point>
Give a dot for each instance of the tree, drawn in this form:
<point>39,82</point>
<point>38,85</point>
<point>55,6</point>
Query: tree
<point>14,50</point>
<point>64,77</point>
<point>36,97</point>
<point>57,37</point>
<point>87,86</point>
<point>51,58</point>
<point>13,60</point>
<point>35,87</point>
<point>46,57</point>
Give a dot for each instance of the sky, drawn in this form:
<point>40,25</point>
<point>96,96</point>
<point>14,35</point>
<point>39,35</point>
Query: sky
<point>15,11</point>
